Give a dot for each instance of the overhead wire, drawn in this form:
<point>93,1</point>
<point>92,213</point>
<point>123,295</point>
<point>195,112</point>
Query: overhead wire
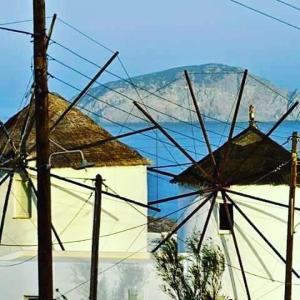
<point>122,79</point>
<point>123,95</point>
<point>288,4</point>
<point>265,14</point>
<point>107,48</point>
<point>123,259</point>
<point>136,87</point>
<point>112,233</point>
<point>142,119</point>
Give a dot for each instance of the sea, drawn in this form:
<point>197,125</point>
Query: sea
<point>163,154</point>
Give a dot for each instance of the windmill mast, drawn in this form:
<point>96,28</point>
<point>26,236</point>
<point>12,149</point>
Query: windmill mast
<point>42,150</point>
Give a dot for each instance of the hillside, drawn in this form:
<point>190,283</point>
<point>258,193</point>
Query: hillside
<point>216,87</point>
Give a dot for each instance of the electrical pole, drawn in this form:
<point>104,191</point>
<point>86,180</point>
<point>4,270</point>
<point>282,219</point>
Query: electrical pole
<point>45,276</point>
<point>290,225</point>
<point>95,239</point>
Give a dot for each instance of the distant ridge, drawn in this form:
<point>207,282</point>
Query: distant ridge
<point>216,87</point>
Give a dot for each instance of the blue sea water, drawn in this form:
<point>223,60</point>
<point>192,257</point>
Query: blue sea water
<point>161,152</point>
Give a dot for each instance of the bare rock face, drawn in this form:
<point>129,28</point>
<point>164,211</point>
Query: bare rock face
<point>167,98</point>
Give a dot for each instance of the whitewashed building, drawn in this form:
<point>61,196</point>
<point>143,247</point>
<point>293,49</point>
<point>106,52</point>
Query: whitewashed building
<point>259,167</point>
<point>126,270</point>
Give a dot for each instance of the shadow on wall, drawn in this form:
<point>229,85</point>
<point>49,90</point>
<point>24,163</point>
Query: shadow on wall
<point>123,281</point>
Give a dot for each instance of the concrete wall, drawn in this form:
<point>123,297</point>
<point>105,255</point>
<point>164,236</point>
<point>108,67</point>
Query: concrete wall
<point>120,276</point>
<point>264,270</point>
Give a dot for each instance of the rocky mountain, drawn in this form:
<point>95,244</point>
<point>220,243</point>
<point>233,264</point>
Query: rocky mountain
<point>167,98</point>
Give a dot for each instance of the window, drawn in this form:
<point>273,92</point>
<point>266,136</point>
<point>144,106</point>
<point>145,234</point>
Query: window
<point>22,197</point>
<point>224,223</point>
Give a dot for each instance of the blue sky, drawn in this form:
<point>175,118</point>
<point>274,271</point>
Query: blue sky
<point>152,36</point>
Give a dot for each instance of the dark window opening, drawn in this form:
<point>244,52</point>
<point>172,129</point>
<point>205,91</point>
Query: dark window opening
<point>224,223</point>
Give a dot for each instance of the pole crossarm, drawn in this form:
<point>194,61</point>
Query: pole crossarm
<point>266,240</point>
<point>173,141</point>
<point>257,198</point>
<point>17,31</point>
<point>182,223</point>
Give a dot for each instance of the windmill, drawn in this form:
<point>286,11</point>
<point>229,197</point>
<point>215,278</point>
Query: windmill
<point>16,149</point>
<point>218,179</point>
<point>17,160</point>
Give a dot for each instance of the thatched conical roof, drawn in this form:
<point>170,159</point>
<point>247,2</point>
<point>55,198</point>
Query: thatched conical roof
<point>253,158</point>
<point>75,131</point>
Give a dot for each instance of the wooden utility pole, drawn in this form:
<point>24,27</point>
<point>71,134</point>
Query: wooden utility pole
<point>45,276</point>
<point>290,225</point>
<point>95,239</point>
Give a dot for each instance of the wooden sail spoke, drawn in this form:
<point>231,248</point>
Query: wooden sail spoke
<point>230,221</point>
<point>169,235</point>
<point>265,239</point>
<point>213,201</point>
<point>258,198</point>
<point>201,122</point>
<point>176,144</point>
<point>84,91</point>
<point>5,205</point>
<point>167,199</point>
<point>233,123</point>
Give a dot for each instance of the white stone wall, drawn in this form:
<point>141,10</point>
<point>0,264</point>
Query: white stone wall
<point>72,212</point>
<point>264,270</point>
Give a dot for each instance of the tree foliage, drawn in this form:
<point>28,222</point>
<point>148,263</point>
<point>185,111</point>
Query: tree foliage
<point>194,275</point>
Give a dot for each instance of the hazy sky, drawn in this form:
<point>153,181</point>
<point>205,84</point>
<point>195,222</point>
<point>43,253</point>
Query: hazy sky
<point>152,36</point>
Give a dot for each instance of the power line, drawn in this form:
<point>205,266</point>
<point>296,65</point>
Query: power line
<point>265,14</point>
<point>19,263</point>
<point>118,108</point>
<point>268,87</point>
<point>288,4</point>
<point>85,35</point>
<point>15,22</point>
<point>150,93</point>
<point>19,21</point>
<point>128,98</point>
<point>110,234</point>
